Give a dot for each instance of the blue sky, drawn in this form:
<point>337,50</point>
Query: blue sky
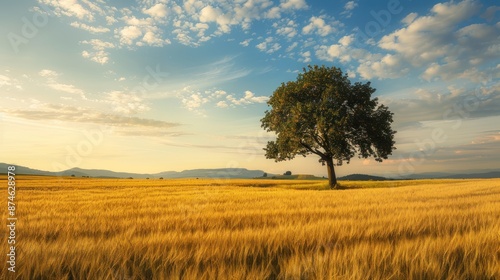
<point>149,86</point>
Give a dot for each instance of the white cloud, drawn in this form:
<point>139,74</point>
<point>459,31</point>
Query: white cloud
<point>145,31</point>
<point>335,52</point>
<point>346,40</point>
<point>222,104</point>
<point>48,73</point>
<point>126,103</point>
<point>53,83</point>
<point>98,53</point>
<point>4,81</point>
<point>306,57</point>
<point>432,104</point>
<point>184,38</point>
<point>191,6</point>
<point>288,30</point>
<point>430,37</point>
<point>409,18</point>
<point>70,8</point>
<point>294,4</point>
<point>226,15</point>
<point>99,44</point>
<point>134,21</point>
<point>292,46</point>
<point>348,7</point>
<point>246,42</point>
<point>274,48</point>
<point>439,45</point>
<point>66,88</point>
<point>250,10</point>
<point>193,100</point>
<point>93,6</point>
<point>216,94</point>
<point>129,33</point>
<point>477,32</point>
<point>351,73</point>
<point>459,70</point>
<point>489,15</point>
<point>196,100</point>
<point>110,20</point>
<point>211,14</point>
<point>274,12</point>
<point>154,39</point>
<point>318,25</point>
<point>442,45</point>
<point>268,46</point>
<point>249,98</point>
<point>91,29</point>
<point>201,28</point>
<point>9,82</point>
<point>389,67</point>
<point>67,113</point>
<point>262,46</point>
<point>157,11</point>
<point>192,21</point>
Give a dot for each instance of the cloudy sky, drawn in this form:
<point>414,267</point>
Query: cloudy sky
<point>157,85</point>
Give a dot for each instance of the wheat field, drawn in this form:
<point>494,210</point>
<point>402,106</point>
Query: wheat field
<point>83,228</point>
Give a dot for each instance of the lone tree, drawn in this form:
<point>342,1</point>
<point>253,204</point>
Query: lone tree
<point>323,113</point>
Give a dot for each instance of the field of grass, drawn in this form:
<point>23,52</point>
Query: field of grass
<point>79,228</point>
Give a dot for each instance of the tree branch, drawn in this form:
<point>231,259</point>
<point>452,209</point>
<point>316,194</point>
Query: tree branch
<point>314,151</point>
<point>321,141</point>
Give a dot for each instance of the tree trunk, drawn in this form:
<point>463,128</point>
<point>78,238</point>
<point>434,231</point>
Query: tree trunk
<point>332,178</point>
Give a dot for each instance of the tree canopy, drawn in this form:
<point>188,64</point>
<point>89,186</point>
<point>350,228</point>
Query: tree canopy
<point>323,113</point>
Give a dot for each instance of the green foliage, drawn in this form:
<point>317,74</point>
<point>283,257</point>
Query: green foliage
<point>323,113</point>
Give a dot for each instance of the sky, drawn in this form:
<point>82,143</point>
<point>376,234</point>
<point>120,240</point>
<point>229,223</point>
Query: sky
<point>167,85</point>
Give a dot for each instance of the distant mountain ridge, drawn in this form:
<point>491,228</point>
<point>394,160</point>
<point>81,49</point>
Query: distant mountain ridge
<point>100,173</point>
<point>213,173</point>
<point>362,177</point>
<point>486,174</point>
<point>231,173</point>
<point>492,174</point>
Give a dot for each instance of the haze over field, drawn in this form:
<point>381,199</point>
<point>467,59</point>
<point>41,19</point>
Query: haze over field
<point>149,86</point>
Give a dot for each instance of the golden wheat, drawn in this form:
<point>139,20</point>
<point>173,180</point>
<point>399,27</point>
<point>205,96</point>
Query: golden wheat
<point>80,228</point>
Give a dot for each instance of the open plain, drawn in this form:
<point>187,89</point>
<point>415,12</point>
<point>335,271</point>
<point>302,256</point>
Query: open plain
<point>84,228</point>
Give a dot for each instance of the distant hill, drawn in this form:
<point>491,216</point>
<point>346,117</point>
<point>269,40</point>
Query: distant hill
<point>100,173</point>
<point>442,175</point>
<point>487,175</point>
<point>212,173</point>
<point>24,170</point>
<point>362,177</point>
<point>426,175</point>
<point>293,177</point>
<point>235,173</point>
